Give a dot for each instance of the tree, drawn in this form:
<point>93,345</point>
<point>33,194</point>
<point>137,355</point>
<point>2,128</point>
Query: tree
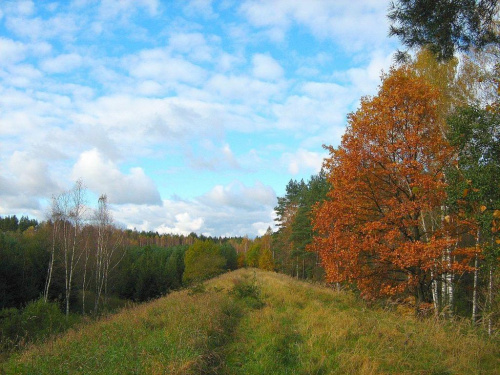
<point>229,253</point>
<point>253,254</point>
<point>378,230</point>
<point>265,261</point>
<point>202,260</point>
<point>444,26</point>
<point>23,260</point>
<point>9,223</point>
<point>67,216</point>
<point>475,192</point>
<point>108,242</point>
<point>295,232</point>
<point>26,223</point>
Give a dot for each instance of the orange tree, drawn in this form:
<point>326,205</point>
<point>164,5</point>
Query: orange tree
<point>383,226</point>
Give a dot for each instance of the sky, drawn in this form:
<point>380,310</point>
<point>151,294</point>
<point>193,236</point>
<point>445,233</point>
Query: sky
<point>192,115</point>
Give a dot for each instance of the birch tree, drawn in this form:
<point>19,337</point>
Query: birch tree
<point>107,257</point>
<point>67,216</point>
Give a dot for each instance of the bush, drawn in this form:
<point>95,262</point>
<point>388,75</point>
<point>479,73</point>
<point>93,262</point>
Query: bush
<point>37,321</point>
<point>247,290</point>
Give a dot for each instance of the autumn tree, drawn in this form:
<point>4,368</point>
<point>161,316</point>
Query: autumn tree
<point>378,230</point>
<point>265,261</point>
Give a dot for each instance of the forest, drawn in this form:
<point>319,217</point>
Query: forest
<point>406,209</point>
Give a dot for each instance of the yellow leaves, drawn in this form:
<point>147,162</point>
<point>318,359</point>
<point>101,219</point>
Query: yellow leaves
<point>483,208</point>
<point>416,190</point>
<point>465,193</point>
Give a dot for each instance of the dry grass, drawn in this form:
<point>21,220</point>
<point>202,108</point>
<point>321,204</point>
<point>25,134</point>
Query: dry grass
<point>300,329</point>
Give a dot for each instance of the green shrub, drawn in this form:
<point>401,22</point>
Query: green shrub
<point>37,321</point>
<point>247,290</point>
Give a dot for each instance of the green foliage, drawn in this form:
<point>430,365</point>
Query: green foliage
<point>253,254</point>
<point>229,253</point>
<point>474,188</point>
<point>246,289</point>
<point>444,26</point>
<point>294,213</point>
<point>150,272</point>
<point>37,321</point>
<point>12,223</point>
<point>23,264</point>
<point>203,260</point>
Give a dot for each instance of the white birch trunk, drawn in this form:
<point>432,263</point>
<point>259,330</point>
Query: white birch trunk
<point>474,291</point>
<point>490,300</point>
<point>51,263</point>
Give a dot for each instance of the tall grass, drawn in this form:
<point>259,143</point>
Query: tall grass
<point>239,323</point>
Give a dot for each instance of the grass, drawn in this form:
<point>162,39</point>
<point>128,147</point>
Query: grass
<point>261,323</point>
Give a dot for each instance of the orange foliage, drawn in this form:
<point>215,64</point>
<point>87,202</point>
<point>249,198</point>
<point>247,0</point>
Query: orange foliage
<point>388,181</point>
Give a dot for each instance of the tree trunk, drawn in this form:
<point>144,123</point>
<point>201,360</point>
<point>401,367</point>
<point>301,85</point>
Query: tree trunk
<point>51,263</point>
<point>474,291</point>
<point>490,300</point>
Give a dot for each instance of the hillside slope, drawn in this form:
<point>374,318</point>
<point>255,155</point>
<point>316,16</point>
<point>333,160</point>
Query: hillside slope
<point>255,322</point>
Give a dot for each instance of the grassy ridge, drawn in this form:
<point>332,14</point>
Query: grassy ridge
<point>237,325</point>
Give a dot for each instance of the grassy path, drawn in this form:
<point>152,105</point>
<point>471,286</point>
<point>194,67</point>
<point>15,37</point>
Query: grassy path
<point>236,324</point>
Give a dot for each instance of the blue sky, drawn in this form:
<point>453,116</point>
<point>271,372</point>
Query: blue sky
<point>192,116</point>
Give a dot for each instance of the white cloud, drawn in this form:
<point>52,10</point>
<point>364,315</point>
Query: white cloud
<point>303,160</point>
<point>192,44</point>
<point>267,68</point>
<point>237,195</point>
<point>158,65</point>
<point>244,89</point>
<point>306,114</point>
<point>62,63</point>
<point>19,7</point>
<point>261,227</point>
<point>368,78</point>
<point>21,75</point>
<point>183,224</point>
<point>61,26</point>
<point>202,8</point>
<point>109,9</point>
<point>134,122</point>
<point>25,179</point>
<point>354,25</point>
<point>103,177</point>
<point>211,157</point>
<point>11,51</point>
<point>30,174</point>
<point>232,210</point>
